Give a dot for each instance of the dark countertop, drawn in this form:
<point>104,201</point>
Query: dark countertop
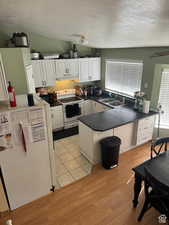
<point>113,118</point>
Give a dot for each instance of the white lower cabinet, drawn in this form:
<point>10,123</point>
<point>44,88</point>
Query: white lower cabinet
<point>91,106</point>
<point>98,107</point>
<point>127,135</point>
<point>90,142</point>
<point>57,117</point>
<point>145,130</point>
<point>88,107</point>
<point>131,135</point>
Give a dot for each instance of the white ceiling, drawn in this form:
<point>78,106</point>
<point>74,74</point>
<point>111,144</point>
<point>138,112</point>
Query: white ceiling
<point>105,23</point>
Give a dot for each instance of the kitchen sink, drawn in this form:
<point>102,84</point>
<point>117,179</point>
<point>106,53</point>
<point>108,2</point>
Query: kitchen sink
<point>116,103</point>
<point>111,102</point>
<point>106,100</point>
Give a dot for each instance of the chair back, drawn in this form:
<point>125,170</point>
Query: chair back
<point>159,146</point>
<point>158,195</point>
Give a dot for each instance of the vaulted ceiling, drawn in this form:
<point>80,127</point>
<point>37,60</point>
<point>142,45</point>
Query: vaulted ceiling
<point>105,23</point>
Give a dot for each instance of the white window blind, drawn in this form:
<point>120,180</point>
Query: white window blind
<point>123,76</point>
<point>164,99</point>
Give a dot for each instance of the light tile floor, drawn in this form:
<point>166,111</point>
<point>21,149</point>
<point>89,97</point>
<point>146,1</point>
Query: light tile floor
<point>71,165</point>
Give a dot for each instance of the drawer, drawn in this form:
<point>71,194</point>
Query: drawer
<point>143,137</point>
<point>149,121</point>
<point>56,108</point>
<point>145,129</point>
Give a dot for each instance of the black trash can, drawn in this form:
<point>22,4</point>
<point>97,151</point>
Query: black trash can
<point>110,147</point>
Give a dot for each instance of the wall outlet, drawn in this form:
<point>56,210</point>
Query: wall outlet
<point>146,85</point>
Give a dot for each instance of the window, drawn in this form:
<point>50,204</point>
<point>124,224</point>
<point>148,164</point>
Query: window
<point>123,76</point>
<point>164,99</point>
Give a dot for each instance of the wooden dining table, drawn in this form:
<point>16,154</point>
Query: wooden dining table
<point>159,168</point>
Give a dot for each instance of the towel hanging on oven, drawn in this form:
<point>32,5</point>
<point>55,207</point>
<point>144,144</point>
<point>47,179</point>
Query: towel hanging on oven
<point>73,110</point>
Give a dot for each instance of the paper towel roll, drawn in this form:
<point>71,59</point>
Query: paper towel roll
<point>146,106</point>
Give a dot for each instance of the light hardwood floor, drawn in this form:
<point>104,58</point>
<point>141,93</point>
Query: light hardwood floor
<point>102,198</point>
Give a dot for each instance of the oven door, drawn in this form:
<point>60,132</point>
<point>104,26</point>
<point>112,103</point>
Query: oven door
<point>72,111</point>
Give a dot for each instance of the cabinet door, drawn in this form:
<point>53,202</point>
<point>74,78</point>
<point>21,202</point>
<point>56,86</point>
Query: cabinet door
<point>98,107</point>
<point>67,69</point>
<point>57,117</point>
<point>60,67</point>
<point>126,134</point>
<point>94,69</point>
<point>73,67</point>
<point>145,130</point>
<point>38,73</point>
<point>3,85</point>
<point>88,109</point>
<point>48,68</point>
<point>26,56</point>
<point>30,79</point>
<point>84,70</point>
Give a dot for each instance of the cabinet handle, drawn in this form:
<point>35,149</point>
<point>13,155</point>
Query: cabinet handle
<point>66,70</point>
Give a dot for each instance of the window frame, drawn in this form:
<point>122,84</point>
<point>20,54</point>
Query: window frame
<point>161,126</point>
<point>132,61</point>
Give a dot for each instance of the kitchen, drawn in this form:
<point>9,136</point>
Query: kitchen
<point>73,91</point>
<point>83,100</point>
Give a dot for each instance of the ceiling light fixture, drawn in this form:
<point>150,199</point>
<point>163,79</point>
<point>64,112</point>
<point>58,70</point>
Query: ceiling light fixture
<point>80,39</point>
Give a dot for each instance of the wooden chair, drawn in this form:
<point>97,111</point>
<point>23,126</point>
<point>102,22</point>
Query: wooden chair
<point>158,146</point>
<point>156,195</point>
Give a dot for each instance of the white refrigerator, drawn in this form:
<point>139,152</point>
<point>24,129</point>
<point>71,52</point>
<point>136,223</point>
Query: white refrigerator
<point>26,152</point>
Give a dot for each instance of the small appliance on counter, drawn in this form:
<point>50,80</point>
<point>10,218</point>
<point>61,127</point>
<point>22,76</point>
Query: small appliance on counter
<point>98,91</point>
<point>20,39</point>
<point>34,55</point>
<point>90,90</point>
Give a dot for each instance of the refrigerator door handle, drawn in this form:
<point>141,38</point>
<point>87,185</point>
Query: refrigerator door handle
<point>23,137</point>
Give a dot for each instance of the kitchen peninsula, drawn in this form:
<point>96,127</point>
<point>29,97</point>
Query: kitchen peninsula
<point>132,127</point>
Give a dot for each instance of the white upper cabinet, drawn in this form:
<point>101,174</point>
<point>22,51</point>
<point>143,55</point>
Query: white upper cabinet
<point>60,68</point>
<point>38,73</point>
<point>3,85</point>
<point>84,70</point>
<point>89,69</point>
<point>46,72</point>
<point>67,69</point>
<point>49,72</point>
<point>94,68</point>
